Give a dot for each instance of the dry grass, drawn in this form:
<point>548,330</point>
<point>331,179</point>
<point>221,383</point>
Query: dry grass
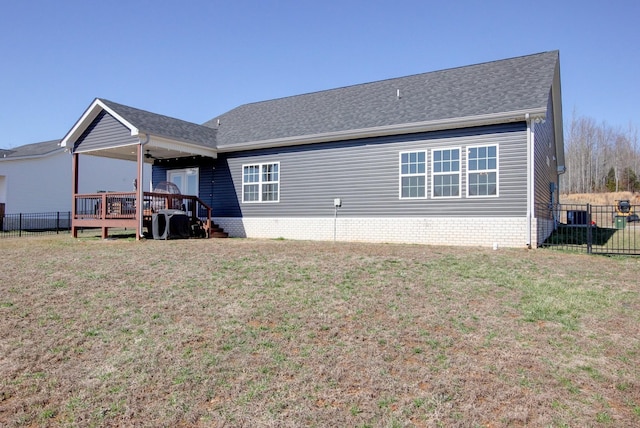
<point>279,333</point>
<point>600,198</point>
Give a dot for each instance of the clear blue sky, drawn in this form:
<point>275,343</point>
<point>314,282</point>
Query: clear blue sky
<point>195,59</point>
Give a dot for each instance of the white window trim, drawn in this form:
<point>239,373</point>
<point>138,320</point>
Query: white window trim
<point>496,170</point>
<point>401,175</point>
<point>260,183</point>
<point>433,173</point>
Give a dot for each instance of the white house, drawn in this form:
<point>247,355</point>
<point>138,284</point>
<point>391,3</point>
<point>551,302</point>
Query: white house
<point>36,178</point>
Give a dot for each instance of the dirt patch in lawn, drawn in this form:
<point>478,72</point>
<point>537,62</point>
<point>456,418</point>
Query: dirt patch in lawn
<point>281,333</point>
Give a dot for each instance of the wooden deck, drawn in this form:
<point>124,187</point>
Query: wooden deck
<point>120,209</point>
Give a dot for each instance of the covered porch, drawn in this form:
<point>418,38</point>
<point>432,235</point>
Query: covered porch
<point>113,130</point>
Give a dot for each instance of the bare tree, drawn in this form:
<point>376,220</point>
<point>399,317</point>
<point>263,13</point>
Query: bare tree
<point>600,158</point>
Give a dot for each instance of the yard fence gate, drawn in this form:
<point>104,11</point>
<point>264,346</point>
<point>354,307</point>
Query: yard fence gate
<point>596,229</point>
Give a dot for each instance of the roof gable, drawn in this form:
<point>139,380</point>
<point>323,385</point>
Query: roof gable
<point>481,90</point>
<point>162,136</point>
<point>141,123</point>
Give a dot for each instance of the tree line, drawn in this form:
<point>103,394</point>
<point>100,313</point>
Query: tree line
<point>600,158</point>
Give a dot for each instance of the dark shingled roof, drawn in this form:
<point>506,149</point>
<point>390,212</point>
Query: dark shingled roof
<point>31,150</point>
<point>164,126</point>
<point>503,86</point>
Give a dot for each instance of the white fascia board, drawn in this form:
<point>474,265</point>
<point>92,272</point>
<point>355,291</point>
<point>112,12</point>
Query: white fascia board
<point>181,146</point>
<point>405,128</point>
<point>164,139</point>
<point>162,143</point>
<point>115,146</point>
<point>88,116</point>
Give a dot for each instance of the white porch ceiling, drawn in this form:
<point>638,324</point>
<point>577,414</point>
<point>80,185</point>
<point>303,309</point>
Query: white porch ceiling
<point>154,149</point>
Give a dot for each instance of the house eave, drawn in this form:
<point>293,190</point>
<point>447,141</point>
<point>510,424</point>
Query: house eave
<point>30,157</point>
<point>179,147</point>
<point>159,147</point>
<point>405,128</point>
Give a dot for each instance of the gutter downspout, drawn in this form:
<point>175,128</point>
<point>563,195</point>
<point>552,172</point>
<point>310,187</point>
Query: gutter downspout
<point>530,143</point>
<point>140,187</point>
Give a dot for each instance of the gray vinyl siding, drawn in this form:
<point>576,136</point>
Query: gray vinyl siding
<point>365,175</point>
<point>205,174</point>
<point>104,132</point>
<point>545,163</point>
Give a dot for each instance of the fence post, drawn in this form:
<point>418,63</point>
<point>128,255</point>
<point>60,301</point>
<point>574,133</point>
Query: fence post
<point>20,225</point>
<point>589,230</point>
<point>57,222</point>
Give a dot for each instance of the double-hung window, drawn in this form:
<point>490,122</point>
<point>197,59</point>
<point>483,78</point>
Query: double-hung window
<point>261,182</point>
<point>413,173</point>
<point>445,173</point>
<point>482,171</point>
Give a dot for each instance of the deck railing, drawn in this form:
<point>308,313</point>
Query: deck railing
<point>105,205</point>
<point>118,209</point>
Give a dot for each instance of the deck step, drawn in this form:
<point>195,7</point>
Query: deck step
<point>217,232</point>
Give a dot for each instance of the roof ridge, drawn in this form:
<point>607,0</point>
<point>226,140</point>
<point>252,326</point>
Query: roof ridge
<point>493,87</point>
<point>443,70</point>
<point>110,104</point>
<point>162,125</point>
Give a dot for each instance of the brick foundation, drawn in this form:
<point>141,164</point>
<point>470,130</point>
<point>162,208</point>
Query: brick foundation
<point>461,231</point>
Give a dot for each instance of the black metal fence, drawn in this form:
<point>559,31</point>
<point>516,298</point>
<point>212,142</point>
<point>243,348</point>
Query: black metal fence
<point>29,224</point>
<point>596,229</point>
